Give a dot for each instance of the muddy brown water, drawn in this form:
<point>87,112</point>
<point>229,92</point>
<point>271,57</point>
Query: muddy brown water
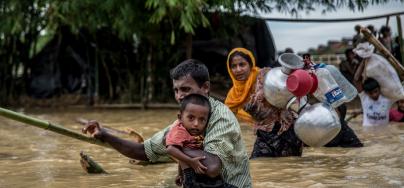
<point>32,157</point>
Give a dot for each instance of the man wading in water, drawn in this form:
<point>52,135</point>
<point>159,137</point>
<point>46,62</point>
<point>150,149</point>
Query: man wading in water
<point>224,148</point>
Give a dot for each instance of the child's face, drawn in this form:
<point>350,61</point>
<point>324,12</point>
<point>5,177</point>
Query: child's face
<point>400,104</point>
<point>374,94</point>
<point>194,118</point>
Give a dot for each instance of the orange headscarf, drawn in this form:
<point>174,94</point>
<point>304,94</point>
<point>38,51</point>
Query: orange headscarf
<point>238,94</point>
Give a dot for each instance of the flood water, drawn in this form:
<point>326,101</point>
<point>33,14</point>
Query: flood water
<point>32,157</point>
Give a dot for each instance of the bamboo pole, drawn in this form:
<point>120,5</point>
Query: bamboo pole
<point>400,38</point>
<point>49,126</point>
<point>386,53</point>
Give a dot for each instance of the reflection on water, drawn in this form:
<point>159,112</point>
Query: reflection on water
<point>32,157</point>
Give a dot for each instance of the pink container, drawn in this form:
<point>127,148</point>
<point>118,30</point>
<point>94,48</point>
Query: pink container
<point>300,83</point>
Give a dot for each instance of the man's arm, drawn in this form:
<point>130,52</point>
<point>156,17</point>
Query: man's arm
<point>194,162</point>
<point>128,148</point>
<point>211,161</point>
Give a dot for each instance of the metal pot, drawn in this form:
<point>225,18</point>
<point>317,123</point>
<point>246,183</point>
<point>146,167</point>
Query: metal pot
<point>290,62</point>
<point>275,90</point>
<point>317,124</point>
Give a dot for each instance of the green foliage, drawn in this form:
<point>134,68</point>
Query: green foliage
<point>153,27</point>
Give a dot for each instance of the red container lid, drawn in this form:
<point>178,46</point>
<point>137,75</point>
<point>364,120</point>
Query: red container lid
<point>299,83</point>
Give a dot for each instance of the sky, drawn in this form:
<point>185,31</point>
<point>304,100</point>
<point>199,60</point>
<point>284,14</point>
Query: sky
<point>302,36</point>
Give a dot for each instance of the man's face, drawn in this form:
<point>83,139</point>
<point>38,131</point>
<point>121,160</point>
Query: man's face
<point>187,85</point>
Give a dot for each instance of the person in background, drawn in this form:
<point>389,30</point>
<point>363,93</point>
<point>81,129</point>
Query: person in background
<point>346,137</point>
<point>357,38</point>
<point>397,114</point>
<point>289,50</point>
<point>372,30</point>
<point>349,65</point>
<point>224,149</point>
<point>272,126</point>
<point>396,49</point>
<point>385,38</point>
<point>374,105</point>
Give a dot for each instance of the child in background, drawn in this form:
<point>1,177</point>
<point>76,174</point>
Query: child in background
<point>375,106</point>
<point>397,115</point>
<point>188,132</point>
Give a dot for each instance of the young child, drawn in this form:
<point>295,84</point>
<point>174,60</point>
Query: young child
<point>188,132</point>
<point>375,106</point>
<point>397,115</point>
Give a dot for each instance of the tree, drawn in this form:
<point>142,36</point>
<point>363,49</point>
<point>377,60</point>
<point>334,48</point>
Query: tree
<point>155,29</point>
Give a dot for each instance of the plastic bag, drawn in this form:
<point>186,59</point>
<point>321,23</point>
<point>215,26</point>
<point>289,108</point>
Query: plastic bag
<point>379,69</point>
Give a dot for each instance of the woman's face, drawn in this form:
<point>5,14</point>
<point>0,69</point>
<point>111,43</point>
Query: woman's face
<point>240,68</point>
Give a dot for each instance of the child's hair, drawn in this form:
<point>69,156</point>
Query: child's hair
<point>195,99</point>
<point>370,84</point>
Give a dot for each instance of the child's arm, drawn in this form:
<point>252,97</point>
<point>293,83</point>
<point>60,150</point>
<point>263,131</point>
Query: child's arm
<point>193,162</point>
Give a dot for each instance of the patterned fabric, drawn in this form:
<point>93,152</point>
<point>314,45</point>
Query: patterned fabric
<point>274,126</point>
<point>223,138</point>
<point>264,113</point>
<point>271,144</point>
<point>193,180</point>
<point>179,136</point>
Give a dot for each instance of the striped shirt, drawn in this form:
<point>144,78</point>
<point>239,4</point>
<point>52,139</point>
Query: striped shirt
<point>223,138</point>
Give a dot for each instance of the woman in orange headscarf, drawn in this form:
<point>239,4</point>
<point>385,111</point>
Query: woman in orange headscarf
<point>273,126</point>
<point>243,73</point>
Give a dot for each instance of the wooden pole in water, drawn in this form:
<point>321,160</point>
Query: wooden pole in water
<point>49,126</point>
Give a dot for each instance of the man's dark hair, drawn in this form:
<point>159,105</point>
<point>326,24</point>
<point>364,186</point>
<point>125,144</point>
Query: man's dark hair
<point>243,55</point>
<point>195,99</point>
<point>370,84</point>
<point>194,68</point>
